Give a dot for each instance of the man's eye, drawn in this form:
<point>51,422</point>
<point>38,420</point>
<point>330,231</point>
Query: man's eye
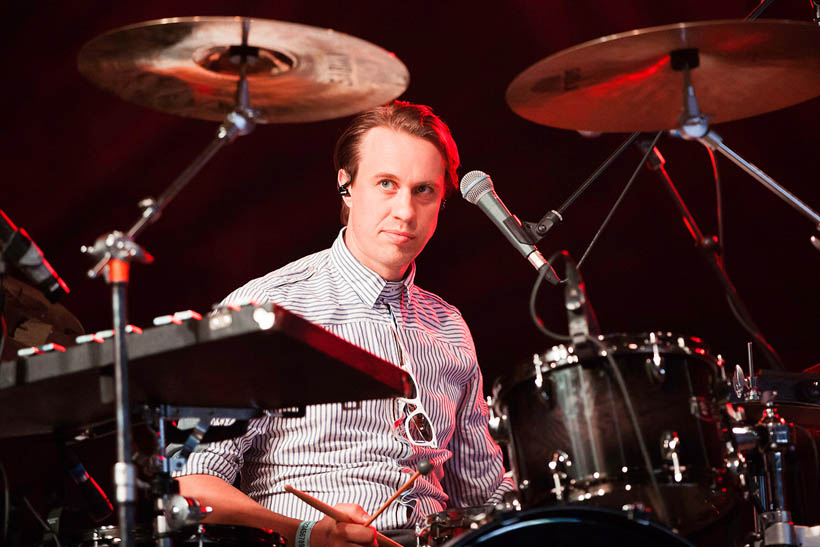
<point>386,183</point>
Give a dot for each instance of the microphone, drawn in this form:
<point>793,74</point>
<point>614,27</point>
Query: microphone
<point>99,507</point>
<point>20,250</point>
<point>477,188</point>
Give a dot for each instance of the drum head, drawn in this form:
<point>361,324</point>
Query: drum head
<point>569,527</point>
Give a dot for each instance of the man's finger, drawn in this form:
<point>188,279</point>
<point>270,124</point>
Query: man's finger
<point>354,512</point>
<point>356,533</point>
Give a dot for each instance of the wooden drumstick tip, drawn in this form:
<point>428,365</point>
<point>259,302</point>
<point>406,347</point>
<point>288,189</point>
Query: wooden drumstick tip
<point>424,467</point>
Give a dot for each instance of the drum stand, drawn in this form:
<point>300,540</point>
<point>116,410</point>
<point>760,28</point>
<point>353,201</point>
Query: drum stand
<point>116,251</point>
<point>756,455</point>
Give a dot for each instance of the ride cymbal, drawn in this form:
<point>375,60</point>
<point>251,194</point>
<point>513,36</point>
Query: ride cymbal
<point>625,82</point>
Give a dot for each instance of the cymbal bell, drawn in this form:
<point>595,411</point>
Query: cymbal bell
<point>189,66</point>
<point>625,82</point>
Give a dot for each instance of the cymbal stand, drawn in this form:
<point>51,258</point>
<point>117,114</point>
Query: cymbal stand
<point>710,249</point>
<point>695,125</point>
<point>116,251</point>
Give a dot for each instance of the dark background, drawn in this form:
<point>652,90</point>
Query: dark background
<point>78,159</point>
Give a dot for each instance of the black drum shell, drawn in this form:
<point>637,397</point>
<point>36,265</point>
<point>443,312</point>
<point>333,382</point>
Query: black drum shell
<point>571,403</point>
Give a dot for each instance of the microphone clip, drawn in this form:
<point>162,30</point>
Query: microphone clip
<point>533,232</point>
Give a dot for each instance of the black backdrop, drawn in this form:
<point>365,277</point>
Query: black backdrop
<point>77,160</point>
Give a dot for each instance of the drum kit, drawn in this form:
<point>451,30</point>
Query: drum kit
<point>638,439</point>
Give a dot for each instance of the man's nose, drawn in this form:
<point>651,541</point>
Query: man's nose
<point>403,206</point>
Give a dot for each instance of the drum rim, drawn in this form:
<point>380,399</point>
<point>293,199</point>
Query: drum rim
<point>619,343</point>
<point>563,513</point>
<point>112,532</point>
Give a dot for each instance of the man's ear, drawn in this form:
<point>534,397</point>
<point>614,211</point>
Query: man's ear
<point>343,181</point>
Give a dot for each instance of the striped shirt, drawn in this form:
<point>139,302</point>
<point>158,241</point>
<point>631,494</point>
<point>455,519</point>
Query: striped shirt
<point>359,455</point>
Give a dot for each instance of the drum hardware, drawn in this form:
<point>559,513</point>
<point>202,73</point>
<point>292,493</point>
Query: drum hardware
<point>670,453</point>
<point>581,318</point>
<point>758,454</point>
<point>654,364</point>
<point>558,467</point>
<point>444,526</point>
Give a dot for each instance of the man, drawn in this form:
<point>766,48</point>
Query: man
<point>395,166</point>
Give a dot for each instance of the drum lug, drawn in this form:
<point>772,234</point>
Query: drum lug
<point>654,365</point>
<point>541,387</point>
<point>670,453</point>
<point>498,424</point>
<point>558,469</point>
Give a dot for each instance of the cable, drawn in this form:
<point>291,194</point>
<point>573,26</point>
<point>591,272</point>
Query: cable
<point>6,502</point>
<point>663,515</point>
<point>539,324</point>
<point>620,197</point>
<point>43,523</point>
<point>719,203</point>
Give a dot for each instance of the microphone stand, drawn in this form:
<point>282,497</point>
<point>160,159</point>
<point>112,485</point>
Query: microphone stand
<point>533,232</point>
<point>710,250</point>
<point>758,11</point>
<point>116,251</point>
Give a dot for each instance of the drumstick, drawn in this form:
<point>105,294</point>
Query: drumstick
<point>335,514</point>
<point>423,468</point>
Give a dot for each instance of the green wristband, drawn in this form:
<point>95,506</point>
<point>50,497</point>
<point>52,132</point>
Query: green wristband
<point>303,533</point>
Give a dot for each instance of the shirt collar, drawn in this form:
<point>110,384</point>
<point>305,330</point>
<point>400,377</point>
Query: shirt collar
<point>366,283</point>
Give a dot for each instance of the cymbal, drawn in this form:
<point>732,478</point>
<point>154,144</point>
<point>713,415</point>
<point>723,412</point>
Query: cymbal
<point>31,320</point>
<point>625,82</point>
<point>187,66</point>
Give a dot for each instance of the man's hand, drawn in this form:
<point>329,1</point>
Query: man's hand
<point>329,532</point>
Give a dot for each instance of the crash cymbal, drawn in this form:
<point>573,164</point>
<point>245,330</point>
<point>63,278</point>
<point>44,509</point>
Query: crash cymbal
<point>189,66</point>
<point>31,320</point>
<point>625,82</point>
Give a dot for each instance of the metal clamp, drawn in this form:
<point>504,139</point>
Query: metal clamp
<point>670,453</point>
<point>558,467</point>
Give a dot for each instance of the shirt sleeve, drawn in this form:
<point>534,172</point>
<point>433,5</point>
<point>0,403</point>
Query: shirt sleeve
<point>221,459</point>
<point>474,475</point>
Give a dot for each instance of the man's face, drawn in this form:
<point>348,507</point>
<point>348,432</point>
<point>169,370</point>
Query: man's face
<point>394,200</point>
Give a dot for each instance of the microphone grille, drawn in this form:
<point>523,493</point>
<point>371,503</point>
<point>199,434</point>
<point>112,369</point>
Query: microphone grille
<point>474,185</point>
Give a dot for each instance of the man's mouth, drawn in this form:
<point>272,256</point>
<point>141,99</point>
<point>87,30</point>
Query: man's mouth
<point>398,236</point>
